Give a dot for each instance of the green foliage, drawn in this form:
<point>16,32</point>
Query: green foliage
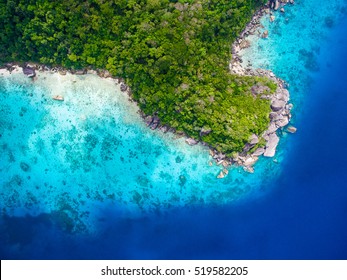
<point>174,54</point>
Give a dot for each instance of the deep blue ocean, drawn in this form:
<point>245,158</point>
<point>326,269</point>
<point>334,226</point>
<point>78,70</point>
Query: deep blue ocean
<point>161,200</point>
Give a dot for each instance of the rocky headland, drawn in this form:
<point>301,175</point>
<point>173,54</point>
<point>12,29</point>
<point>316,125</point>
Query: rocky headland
<point>258,145</point>
<point>280,107</point>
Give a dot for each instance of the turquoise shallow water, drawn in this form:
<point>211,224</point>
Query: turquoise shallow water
<point>94,148</point>
<point>86,179</point>
<point>294,44</point>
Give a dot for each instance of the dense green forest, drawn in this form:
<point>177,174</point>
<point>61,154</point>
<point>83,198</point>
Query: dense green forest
<point>174,54</point>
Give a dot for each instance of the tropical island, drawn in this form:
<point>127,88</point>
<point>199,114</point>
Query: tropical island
<point>174,55</point>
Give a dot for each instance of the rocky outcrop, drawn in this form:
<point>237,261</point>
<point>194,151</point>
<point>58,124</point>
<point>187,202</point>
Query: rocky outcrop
<point>270,148</point>
<point>221,175</point>
<point>29,71</point>
<point>265,34</point>
<point>80,72</point>
<point>291,129</point>
<point>123,87</point>
<point>280,108</point>
<point>24,166</point>
<point>191,141</point>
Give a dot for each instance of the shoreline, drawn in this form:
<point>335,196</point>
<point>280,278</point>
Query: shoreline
<point>279,117</point>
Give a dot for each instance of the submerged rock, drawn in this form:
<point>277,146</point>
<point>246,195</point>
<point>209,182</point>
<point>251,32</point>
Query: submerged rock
<point>221,175</point>
<point>248,169</point>
<point>250,161</point>
<point>148,120</point>
<point>24,166</point>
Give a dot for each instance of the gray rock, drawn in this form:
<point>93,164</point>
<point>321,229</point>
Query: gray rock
<point>289,106</point>
<point>277,105</point>
<point>221,156</point>
<point>272,128</point>
<point>275,116</point>
<point>91,71</point>
<point>291,129</point>
<point>154,125</point>
<point>265,34</point>
<point>107,74</point>
<point>247,147</point>
<point>123,87</point>
<point>277,5</point>
<point>221,175</point>
<point>164,128</point>
<point>254,139</point>
<point>283,122</point>
<point>156,120</point>
<point>258,152</point>
<point>191,141</point>
<point>148,120</point>
<point>31,65</point>
<point>80,72</point>
<point>259,89</point>
<point>9,66</point>
<point>28,71</point>
<point>283,95</point>
<point>271,145</point>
